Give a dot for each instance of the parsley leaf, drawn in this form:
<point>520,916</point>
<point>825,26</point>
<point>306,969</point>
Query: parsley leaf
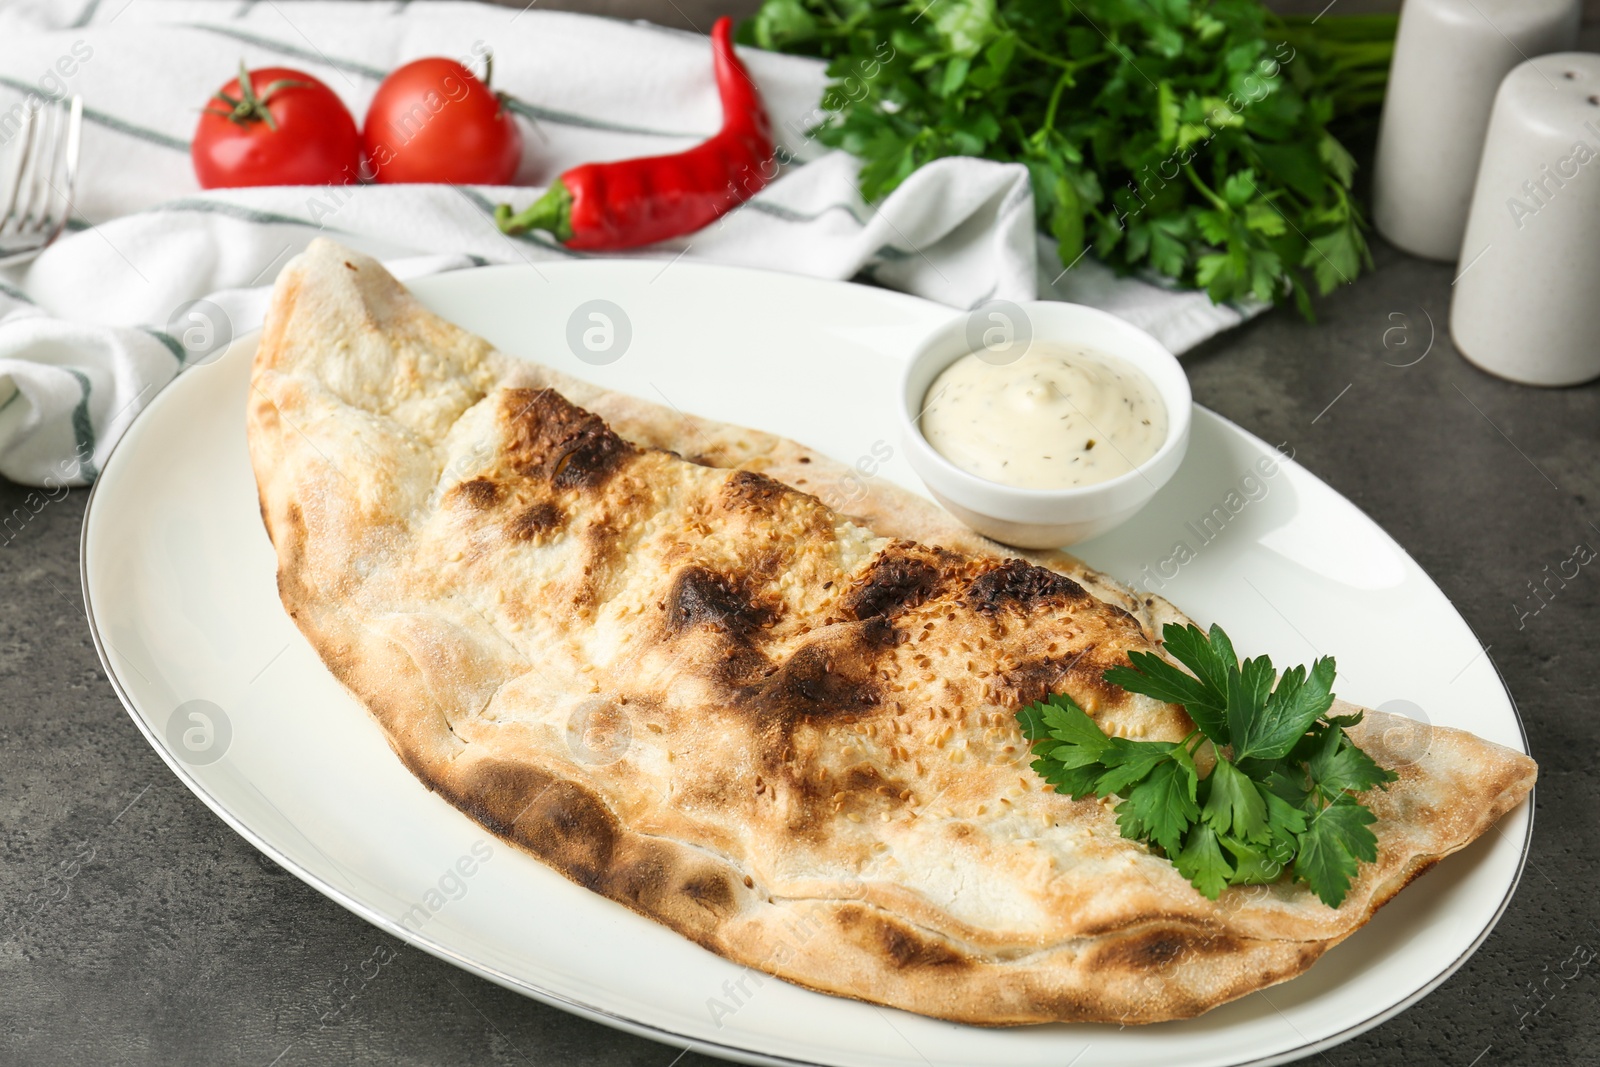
<point>1248,687</point>
<point>1205,695</point>
<point>1128,762</point>
<point>1257,864</point>
<point>1280,796</point>
<point>1201,861</point>
<point>1233,805</point>
<point>1339,767</point>
<point>1285,716</point>
<point>1285,820</point>
<point>1059,716</point>
<point>1162,807</point>
<point>1335,838</point>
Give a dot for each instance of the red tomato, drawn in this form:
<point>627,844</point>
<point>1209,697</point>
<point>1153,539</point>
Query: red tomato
<point>286,129</point>
<point>433,121</point>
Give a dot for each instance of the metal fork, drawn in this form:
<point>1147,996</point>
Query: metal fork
<point>36,197</point>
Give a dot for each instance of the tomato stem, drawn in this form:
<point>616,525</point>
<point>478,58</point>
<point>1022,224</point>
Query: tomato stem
<point>252,106</point>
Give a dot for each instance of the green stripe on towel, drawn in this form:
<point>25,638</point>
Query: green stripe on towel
<point>366,70</point>
<point>83,429</point>
<point>349,66</point>
<point>86,14</point>
<point>237,211</point>
<point>789,214</point>
<point>16,294</point>
<point>566,118</point>
<point>171,343</point>
<point>110,122</point>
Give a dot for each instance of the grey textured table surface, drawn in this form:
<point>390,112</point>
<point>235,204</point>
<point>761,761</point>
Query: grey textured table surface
<point>135,927</point>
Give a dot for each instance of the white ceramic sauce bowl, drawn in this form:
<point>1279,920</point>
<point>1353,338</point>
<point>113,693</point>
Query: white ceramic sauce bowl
<point>1044,518</point>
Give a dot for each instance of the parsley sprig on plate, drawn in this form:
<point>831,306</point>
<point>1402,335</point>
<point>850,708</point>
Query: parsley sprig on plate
<point>1281,795</point>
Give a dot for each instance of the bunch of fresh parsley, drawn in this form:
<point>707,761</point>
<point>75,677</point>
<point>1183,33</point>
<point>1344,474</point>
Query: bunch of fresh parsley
<point>1184,138</point>
<point>1281,796</point>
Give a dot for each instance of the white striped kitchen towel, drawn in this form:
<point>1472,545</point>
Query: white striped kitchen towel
<point>92,329</point>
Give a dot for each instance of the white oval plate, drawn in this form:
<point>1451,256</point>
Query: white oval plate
<point>178,577</point>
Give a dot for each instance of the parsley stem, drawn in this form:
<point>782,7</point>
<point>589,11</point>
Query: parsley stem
<point>1221,204</point>
<point>1062,82</point>
<point>1068,79</point>
<point>1045,57</point>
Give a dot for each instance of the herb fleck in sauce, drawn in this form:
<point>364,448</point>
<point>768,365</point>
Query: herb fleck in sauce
<point>1060,416</point>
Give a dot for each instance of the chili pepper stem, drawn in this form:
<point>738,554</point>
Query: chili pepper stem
<point>552,213</point>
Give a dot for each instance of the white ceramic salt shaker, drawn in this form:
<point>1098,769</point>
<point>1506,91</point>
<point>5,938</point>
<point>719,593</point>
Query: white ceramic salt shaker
<point>1449,56</point>
<point>1526,304</point>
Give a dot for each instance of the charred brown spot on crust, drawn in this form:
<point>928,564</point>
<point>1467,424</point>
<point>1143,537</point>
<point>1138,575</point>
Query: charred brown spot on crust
<point>590,461</point>
<point>826,678</point>
<point>1160,950</point>
<point>877,634</point>
<point>1032,679</point>
<point>902,577</point>
<point>747,489</point>
<point>808,683</point>
<point>1124,616</point>
<point>643,881</point>
<point>1020,586</point>
<point>559,821</point>
<point>910,949</point>
<point>710,889</point>
<point>479,493</point>
<point>573,830</point>
<point>553,439</point>
<point>1030,682</point>
<point>294,529</point>
<point>864,789</point>
<point>907,948</point>
<point>652,878</point>
<point>742,665</point>
<point>1089,674</point>
<point>539,519</point>
<point>870,783</point>
<point>702,597</point>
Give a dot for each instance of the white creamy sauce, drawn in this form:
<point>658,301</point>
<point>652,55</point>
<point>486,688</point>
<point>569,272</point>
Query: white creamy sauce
<point>1060,416</point>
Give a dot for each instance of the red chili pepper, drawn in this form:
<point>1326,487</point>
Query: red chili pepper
<point>608,206</point>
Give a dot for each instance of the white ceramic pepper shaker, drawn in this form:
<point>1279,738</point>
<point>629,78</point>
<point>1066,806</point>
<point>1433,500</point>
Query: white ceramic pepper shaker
<point>1449,56</point>
<point>1527,298</point>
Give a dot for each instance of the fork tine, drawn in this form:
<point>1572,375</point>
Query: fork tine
<point>24,139</point>
<point>74,143</point>
<point>39,200</point>
<point>69,164</point>
<point>43,169</point>
<point>63,168</point>
<point>43,120</point>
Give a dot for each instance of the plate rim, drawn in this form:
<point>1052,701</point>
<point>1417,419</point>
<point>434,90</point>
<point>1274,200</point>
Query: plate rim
<point>734,1053</point>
